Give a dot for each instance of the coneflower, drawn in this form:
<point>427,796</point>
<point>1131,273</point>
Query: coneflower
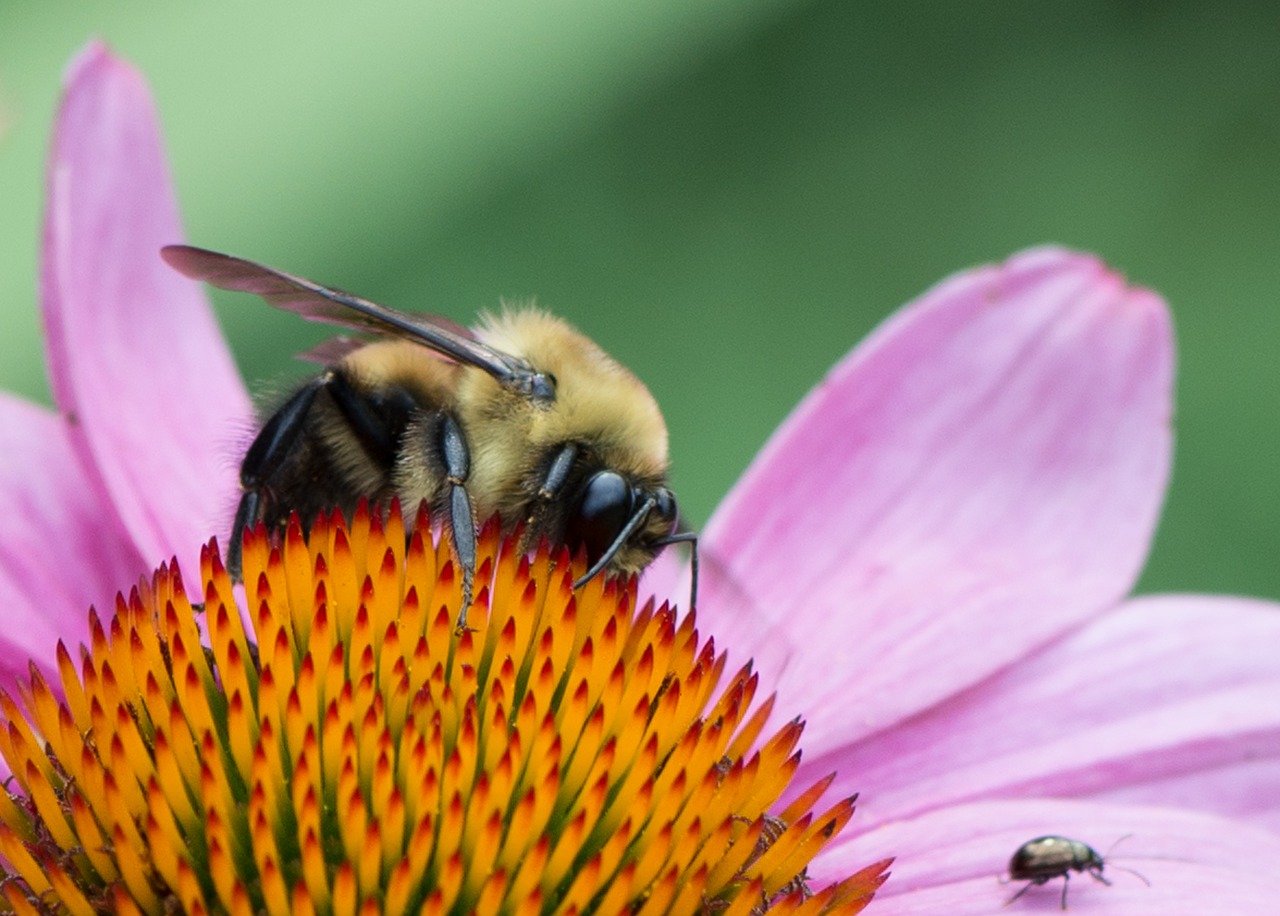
<point>350,751</point>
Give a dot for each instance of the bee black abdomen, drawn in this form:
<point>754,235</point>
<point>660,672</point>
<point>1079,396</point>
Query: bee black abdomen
<point>275,442</point>
<point>329,445</point>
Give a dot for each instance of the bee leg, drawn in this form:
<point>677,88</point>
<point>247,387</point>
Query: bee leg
<point>457,465</point>
<point>248,512</point>
<point>558,473</point>
<point>690,538</point>
<point>549,491</point>
<point>263,459</point>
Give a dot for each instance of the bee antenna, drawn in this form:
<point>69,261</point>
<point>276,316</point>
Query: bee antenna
<point>636,520</point>
<point>690,538</point>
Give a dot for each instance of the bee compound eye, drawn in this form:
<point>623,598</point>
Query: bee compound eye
<point>602,512</point>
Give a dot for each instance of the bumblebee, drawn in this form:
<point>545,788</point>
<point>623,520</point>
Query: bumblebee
<point>522,417</point>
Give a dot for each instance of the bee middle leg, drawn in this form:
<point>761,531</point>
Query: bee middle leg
<point>457,466</point>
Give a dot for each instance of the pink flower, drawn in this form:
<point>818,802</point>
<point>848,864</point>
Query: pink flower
<point>934,550</point>
<point>938,544</point>
<point>132,469</point>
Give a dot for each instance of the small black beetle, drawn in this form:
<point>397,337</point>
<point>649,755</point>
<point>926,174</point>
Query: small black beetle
<point>1041,860</point>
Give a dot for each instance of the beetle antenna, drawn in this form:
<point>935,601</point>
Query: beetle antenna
<point>1107,859</point>
<point>1112,847</point>
<point>1139,876</point>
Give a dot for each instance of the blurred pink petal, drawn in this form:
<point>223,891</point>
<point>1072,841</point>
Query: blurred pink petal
<point>1243,789</point>
<point>950,860</point>
<point>43,594</point>
<point>137,363</point>
<point>131,473</point>
<point>980,475</point>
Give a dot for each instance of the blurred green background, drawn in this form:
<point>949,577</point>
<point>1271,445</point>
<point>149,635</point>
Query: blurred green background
<point>727,195</point>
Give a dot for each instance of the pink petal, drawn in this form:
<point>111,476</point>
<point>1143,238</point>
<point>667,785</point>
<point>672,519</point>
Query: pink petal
<point>1169,689</point>
<point>951,861</point>
<point>1245,790</point>
<point>61,550</point>
<point>982,473</point>
<point>136,359</point>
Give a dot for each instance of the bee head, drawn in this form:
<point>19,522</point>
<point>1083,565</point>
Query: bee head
<point>620,525</point>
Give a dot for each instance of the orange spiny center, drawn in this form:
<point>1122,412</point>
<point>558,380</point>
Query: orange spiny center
<point>341,748</point>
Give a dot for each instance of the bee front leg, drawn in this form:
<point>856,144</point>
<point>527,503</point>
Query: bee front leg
<point>276,441</point>
<point>538,524</point>
<point>457,466</point>
<point>248,514</point>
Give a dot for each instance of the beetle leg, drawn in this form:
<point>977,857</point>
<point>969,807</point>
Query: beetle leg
<point>1025,887</point>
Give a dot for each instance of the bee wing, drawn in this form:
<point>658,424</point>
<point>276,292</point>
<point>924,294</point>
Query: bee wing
<point>331,351</point>
<point>320,303</point>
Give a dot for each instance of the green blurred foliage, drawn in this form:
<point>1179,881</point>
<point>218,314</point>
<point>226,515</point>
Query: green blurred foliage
<point>727,195</point>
